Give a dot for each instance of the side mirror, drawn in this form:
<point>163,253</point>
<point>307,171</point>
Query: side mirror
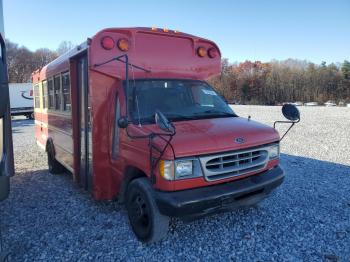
<point>123,122</point>
<point>163,122</point>
<point>291,112</point>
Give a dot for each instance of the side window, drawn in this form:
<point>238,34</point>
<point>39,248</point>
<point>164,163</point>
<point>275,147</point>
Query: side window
<point>44,92</point>
<point>36,96</point>
<point>115,141</point>
<point>51,94</point>
<point>66,92</point>
<point>57,92</point>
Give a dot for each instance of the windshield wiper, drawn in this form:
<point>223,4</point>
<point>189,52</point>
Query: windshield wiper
<point>195,116</point>
<point>178,117</point>
<point>213,113</point>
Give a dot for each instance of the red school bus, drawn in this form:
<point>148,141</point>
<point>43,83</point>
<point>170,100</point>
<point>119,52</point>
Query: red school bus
<point>130,115</point>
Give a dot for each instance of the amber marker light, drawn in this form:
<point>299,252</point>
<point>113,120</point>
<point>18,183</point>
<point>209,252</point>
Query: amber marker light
<point>123,44</point>
<point>107,42</point>
<point>201,52</point>
<point>165,30</point>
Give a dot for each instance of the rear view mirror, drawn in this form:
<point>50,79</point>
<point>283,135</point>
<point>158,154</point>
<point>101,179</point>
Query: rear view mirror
<point>163,122</point>
<point>123,122</point>
<point>291,112</point>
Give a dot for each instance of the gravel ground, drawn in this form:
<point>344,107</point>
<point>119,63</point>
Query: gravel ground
<point>48,218</point>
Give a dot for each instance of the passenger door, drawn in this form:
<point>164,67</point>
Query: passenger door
<point>84,124</point>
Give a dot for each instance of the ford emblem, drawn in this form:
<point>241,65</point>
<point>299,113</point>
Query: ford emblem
<point>239,140</point>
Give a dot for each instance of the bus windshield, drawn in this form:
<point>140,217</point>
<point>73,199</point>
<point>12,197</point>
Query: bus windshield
<point>178,100</point>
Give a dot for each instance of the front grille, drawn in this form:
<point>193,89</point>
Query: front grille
<point>221,166</point>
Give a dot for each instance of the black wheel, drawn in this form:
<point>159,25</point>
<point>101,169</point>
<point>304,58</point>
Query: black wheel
<point>54,166</point>
<point>31,116</point>
<point>148,224</point>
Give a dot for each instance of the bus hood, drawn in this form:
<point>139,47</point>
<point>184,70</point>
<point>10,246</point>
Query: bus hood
<point>205,136</point>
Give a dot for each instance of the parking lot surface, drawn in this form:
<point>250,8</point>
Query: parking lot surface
<point>49,218</point>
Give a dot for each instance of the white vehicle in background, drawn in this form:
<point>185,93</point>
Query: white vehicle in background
<point>311,104</point>
<point>348,105</point>
<point>330,103</point>
<point>21,99</point>
<point>297,103</point>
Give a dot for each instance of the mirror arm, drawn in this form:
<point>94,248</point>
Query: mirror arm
<point>284,122</point>
<point>154,161</point>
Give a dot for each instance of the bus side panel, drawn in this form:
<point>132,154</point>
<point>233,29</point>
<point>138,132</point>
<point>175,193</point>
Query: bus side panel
<point>60,130</point>
<point>40,129</point>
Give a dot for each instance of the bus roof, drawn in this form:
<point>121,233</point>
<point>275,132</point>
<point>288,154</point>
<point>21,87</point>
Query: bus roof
<point>164,53</point>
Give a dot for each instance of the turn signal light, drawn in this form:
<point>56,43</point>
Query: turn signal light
<point>201,51</point>
<point>107,42</point>
<point>212,52</point>
<point>123,44</point>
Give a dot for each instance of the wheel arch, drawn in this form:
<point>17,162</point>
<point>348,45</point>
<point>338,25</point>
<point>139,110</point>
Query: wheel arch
<point>130,173</point>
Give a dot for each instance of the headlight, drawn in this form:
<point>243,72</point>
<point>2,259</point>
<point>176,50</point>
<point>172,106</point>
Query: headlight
<point>179,169</point>
<point>183,168</point>
<point>274,151</point>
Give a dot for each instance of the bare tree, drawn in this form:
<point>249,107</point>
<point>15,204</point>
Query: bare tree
<point>64,47</point>
<point>21,62</point>
<point>43,56</point>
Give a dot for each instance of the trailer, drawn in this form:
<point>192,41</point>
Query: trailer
<point>22,99</point>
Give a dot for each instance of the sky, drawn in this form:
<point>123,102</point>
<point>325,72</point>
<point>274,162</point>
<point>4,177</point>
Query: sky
<point>314,30</point>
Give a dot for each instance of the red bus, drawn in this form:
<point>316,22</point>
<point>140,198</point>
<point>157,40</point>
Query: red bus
<point>130,115</point>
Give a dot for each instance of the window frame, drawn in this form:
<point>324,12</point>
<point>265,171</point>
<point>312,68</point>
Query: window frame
<point>51,106</point>
<point>63,98</point>
<point>36,91</point>
<point>45,95</point>
<point>57,104</point>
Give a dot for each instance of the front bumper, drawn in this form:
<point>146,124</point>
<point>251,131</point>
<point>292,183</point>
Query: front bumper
<point>205,200</point>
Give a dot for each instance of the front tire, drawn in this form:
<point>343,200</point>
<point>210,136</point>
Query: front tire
<point>148,224</point>
<point>54,166</point>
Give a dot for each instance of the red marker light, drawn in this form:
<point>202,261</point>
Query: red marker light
<point>212,52</point>
<point>107,43</point>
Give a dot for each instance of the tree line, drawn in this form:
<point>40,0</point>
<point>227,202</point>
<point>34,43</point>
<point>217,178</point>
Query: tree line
<point>22,62</point>
<point>277,82</point>
<point>248,82</point>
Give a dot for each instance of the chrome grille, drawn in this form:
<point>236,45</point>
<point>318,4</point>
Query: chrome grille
<point>221,166</point>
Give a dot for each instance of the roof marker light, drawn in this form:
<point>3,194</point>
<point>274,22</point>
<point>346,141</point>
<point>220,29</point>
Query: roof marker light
<point>201,51</point>
<point>165,30</point>
<point>107,42</point>
<point>123,44</point>
<point>154,29</point>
